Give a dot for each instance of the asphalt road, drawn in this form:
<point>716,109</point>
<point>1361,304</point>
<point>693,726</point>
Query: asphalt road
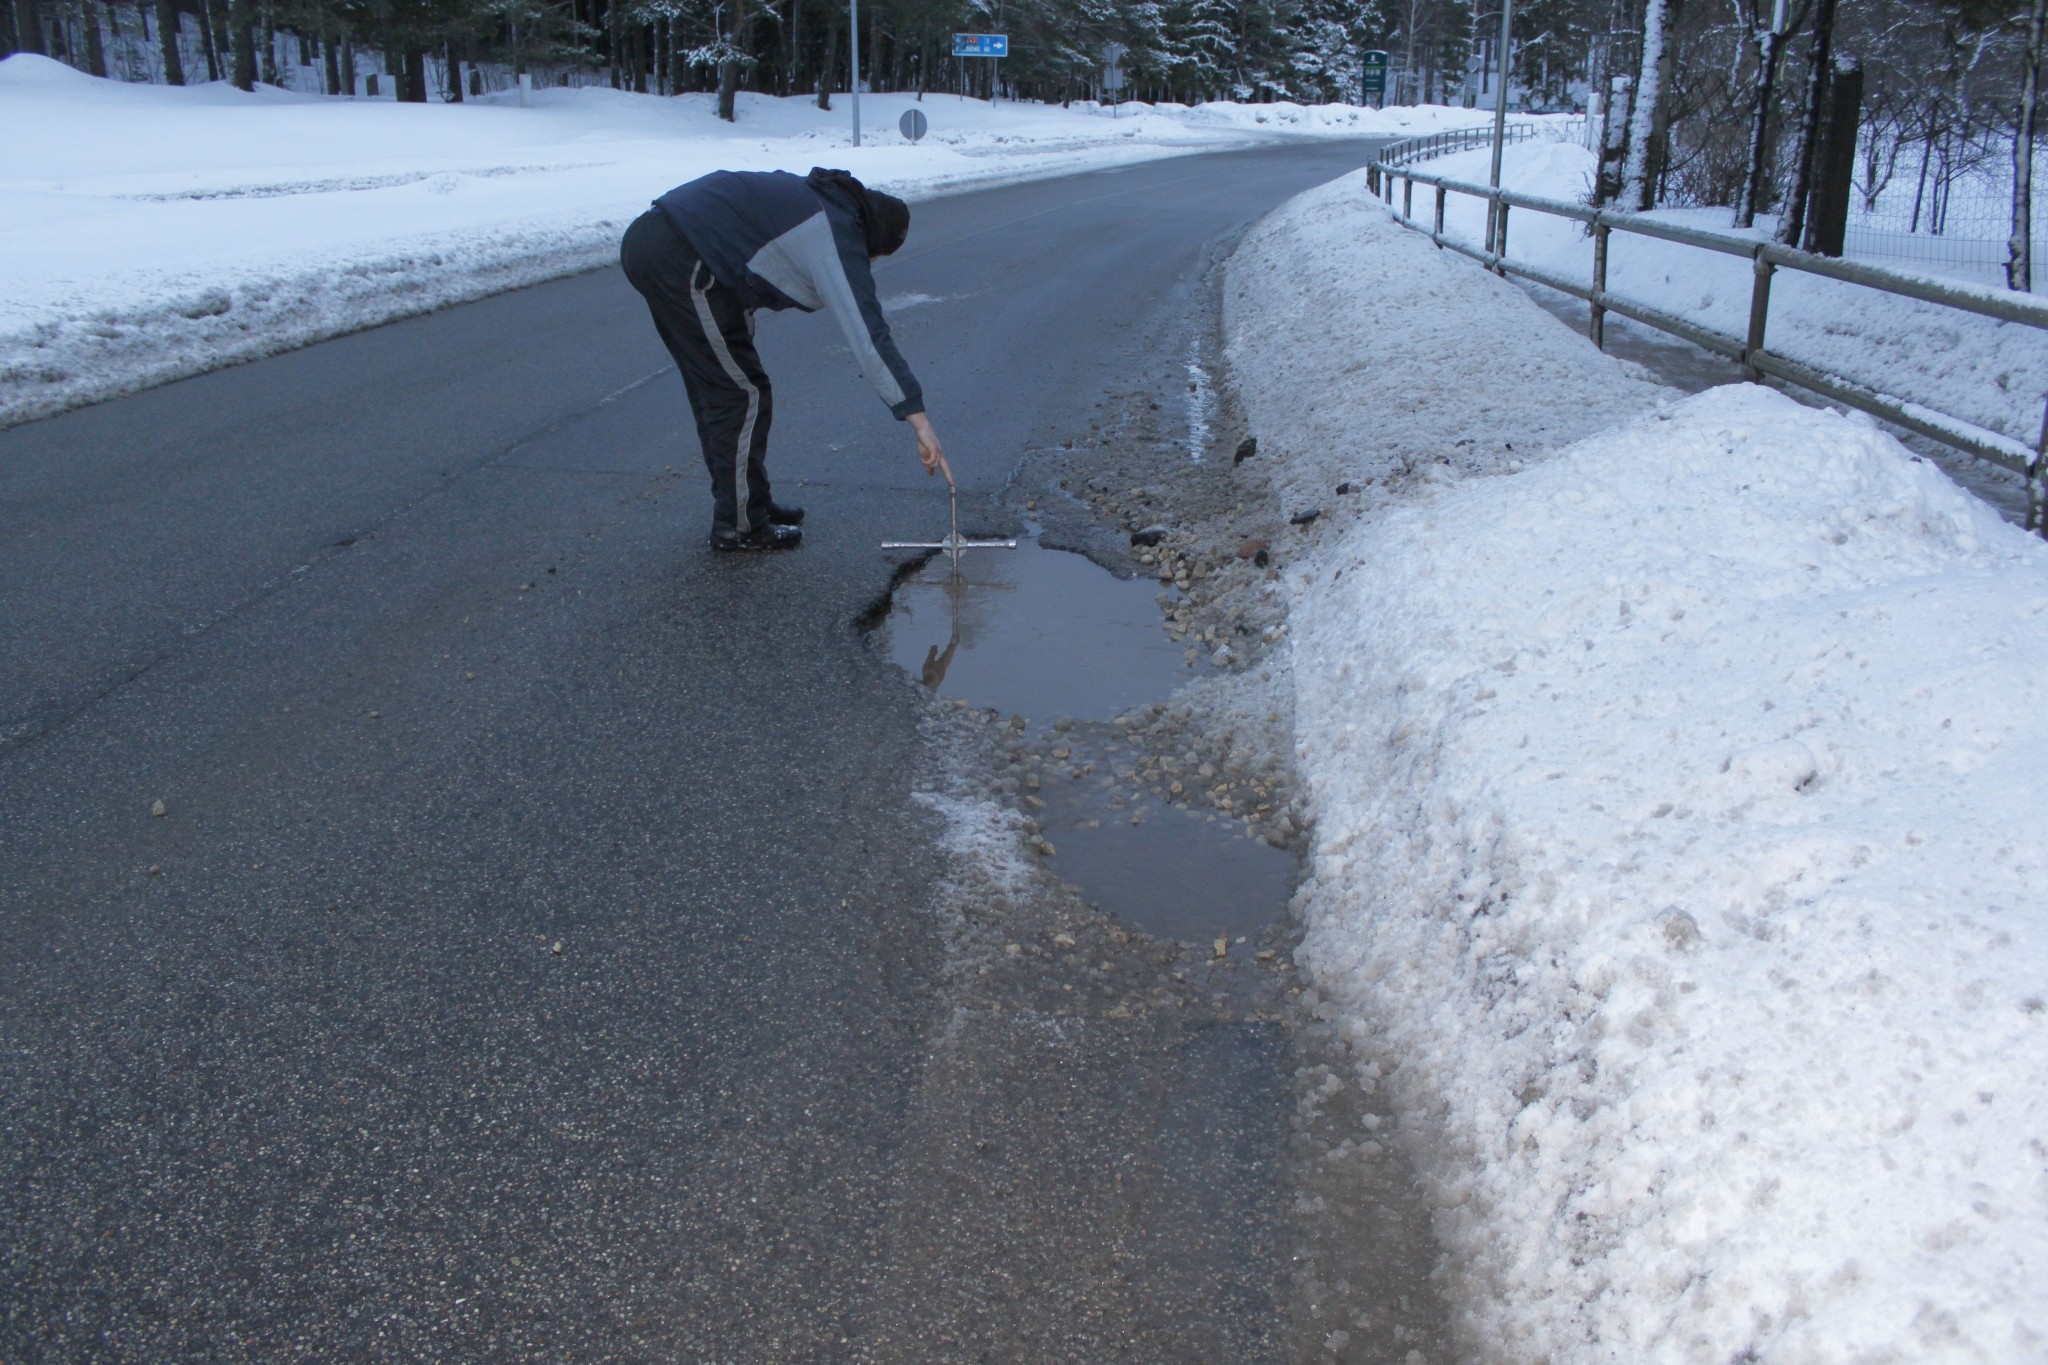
<point>413,635</point>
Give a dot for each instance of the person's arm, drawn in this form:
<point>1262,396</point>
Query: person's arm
<point>846,286</point>
<point>837,264</point>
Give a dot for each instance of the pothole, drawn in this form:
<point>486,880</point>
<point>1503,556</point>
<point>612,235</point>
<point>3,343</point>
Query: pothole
<point>1064,647</point>
<point>1133,738</point>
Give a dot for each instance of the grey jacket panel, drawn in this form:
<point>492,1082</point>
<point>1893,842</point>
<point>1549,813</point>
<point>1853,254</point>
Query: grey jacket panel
<point>777,243</point>
<point>813,266</point>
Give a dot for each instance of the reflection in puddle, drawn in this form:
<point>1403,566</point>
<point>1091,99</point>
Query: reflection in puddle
<point>1041,633</point>
<point>1033,632</point>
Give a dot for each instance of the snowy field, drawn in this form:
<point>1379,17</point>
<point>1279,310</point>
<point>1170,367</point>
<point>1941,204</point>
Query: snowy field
<point>1677,864</point>
<point>147,232</point>
<point>1991,373</point>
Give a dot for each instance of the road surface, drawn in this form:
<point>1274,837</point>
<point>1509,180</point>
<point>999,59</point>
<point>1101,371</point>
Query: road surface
<point>531,958</point>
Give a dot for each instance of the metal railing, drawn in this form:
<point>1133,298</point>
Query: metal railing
<point>1443,144</point>
<point>1750,351</point>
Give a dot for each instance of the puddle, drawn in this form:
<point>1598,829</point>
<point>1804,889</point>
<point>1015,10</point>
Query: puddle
<point>1033,632</point>
<point>1044,634</point>
<point>1174,874</point>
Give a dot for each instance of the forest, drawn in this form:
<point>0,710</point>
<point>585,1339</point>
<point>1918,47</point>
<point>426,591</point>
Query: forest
<point>1696,102</point>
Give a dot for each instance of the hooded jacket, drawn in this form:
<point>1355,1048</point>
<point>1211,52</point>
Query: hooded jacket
<point>779,241</point>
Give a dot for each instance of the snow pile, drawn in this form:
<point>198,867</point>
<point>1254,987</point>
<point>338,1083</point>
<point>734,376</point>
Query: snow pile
<point>1676,799</point>
<point>1991,373</point>
<point>1676,864</point>
<point>148,233</point>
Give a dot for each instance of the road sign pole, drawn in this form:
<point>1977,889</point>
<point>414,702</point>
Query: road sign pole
<point>854,7</point>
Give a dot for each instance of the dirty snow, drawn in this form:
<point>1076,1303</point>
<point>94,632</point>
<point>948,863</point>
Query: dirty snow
<point>1675,865</point>
<point>148,233</point>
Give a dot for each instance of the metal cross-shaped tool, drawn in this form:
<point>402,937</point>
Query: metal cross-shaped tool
<point>952,546</point>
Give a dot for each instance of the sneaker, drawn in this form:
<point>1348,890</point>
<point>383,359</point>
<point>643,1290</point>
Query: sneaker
<point>764,538</point>
<point>779,515</point>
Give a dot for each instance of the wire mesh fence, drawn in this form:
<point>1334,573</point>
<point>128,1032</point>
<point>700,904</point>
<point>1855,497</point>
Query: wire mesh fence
<point>1943,201</point>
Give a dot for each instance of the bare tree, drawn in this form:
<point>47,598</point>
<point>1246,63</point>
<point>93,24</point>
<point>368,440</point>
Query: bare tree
<point>167,38</point>
<point>1638,183</point>
<point>1769,41</point>
<point>1792,221</point>
<point>2019,260</point>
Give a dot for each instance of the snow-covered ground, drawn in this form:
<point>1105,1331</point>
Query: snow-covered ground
<point>148,233</point>
<point>1677,866</point>
<point>1991,373</point>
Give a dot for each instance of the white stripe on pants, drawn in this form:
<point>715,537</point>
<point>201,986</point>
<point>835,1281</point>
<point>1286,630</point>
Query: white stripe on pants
<point>700,283</point>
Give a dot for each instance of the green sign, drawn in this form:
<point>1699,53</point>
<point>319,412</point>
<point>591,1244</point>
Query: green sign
<point>1373,74</point>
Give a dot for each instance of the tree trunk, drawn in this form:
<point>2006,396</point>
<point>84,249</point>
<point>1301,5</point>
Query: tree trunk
<point>2019,252</point>
<point>1827,218</point>
<point>1660,120</point>
<point>330,61</point>
<point>728,90</point>
<point>729,70</point>
<point>412,75</point>
<point>208,40</point>
<point>28,27</point>
<point>454,58</point>
<point>831,60</point>
<point>793,68</point>
<point>242,23</point>
<point>1638,186</point>
<point>95,47</point>
<point>615,42</point>
<point>1613,140</point>
<point>167,39</point>
<point>1792,221</point>
<point>1770,45</point>
<point>348,63</point>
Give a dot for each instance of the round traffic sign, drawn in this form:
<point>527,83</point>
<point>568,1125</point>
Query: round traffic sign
<point>913,124</point>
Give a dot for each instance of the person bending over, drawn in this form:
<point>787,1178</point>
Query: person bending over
<point>711,252</point>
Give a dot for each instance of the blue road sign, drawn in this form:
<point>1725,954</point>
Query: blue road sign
<point>981,45</point>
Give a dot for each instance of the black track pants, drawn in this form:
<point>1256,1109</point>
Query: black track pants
<point>712,339</point>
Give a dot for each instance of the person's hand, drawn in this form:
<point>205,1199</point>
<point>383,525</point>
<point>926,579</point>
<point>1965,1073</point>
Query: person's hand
<point>930,453</point>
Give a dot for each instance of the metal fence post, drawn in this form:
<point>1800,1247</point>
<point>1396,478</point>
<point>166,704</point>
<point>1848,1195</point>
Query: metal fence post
<point>1500,238</point>
<point>1759,312</point>
<point>1440,210</point>
<point>1408,197</point>
<point>1599,329</point>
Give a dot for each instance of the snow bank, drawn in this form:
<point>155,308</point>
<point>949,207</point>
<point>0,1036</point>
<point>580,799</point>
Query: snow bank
<point>1676,858</point>
<point>1991,373</point>
<point>148,233</point>
<point>1414,362</point>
